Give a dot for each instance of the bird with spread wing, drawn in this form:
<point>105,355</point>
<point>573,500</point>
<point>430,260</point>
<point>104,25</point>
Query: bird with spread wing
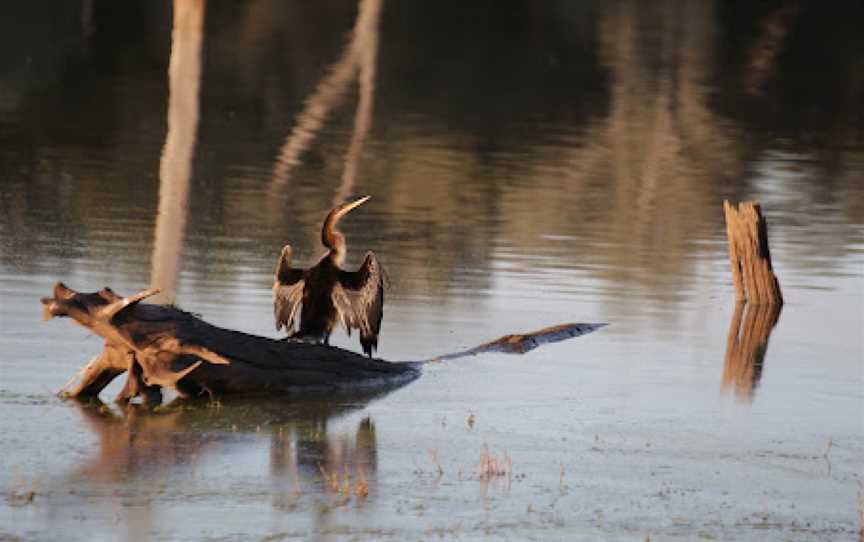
<point>329,294</point>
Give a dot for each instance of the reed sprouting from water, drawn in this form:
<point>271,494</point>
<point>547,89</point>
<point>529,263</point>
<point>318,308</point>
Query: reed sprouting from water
<point>339,481</point>
<point>492,466</point>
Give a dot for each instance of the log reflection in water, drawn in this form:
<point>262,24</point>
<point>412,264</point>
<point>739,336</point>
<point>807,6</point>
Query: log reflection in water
<point>175,168</point>
<point>139,442</point>
<point>136,441</point>
<point>747,344</point>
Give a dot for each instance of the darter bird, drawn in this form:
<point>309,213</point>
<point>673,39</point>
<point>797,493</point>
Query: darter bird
<point>328,293</point>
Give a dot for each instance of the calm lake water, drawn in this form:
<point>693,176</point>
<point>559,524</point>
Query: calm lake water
<point>530,164</point>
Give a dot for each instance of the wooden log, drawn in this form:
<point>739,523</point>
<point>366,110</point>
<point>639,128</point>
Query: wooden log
<point>749,255</point>
<point>102,369</point>
<point>162,346</point>
<point>521,343</point>
<point>746,346</point>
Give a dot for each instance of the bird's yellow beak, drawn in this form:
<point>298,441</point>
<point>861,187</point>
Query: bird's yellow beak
<point>357,203</point>
<point>343,209</point>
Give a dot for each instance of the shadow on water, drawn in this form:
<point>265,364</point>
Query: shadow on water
<point>746,346</point>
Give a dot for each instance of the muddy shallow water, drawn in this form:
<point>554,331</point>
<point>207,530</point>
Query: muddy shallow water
<point>535,164</point>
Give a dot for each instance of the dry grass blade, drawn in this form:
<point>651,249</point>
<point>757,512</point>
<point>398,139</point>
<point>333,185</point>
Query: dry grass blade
<point>434,455</point>
<point>330,480</point>
<point>339,481</point>
<point>362,489</point>
<point>492,466</point>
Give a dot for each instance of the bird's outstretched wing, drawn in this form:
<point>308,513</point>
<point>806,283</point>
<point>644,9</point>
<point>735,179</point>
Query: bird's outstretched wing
<point>287,291</point>
<point>359,299</point>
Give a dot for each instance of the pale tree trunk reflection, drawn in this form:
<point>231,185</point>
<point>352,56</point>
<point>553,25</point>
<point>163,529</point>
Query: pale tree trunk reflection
<point>367,51</point>
<point>746,346</point>
<point>87,24</point>
<point>184,74</point>
<point>357,60</point>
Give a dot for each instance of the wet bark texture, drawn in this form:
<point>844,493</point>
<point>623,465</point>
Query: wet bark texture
<point>749,255</point>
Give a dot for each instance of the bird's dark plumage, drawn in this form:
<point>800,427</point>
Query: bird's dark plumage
<point>329,294</point>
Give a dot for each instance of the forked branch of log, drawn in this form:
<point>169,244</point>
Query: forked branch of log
<point>152,345</point>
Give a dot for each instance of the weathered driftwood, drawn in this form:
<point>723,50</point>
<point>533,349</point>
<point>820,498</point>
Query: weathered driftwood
<point>162,346</point>
<point>749,255</point>
<point>746,347</point>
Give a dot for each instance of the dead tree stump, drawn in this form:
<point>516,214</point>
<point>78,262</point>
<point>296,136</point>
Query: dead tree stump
<point>749,255</point>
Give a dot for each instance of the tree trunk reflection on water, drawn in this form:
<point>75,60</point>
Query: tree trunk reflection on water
<point>175,169</point>
<point>633,170</point>
<point>746,347</point>
<point>358,59</point>
<point>367,51</point>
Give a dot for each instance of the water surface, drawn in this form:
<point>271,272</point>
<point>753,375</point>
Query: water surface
<point>530,164</point>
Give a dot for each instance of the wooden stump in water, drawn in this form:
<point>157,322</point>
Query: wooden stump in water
<point>749,255</point>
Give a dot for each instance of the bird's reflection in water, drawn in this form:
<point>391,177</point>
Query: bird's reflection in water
<point>305,455</point>
<point>155,455</point>
<point>303,461</point>
<point>746,346</point>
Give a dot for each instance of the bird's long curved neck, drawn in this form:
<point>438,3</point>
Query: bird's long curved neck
<point>333,238</point>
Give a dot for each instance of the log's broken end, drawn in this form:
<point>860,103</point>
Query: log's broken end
<point>68,302</point>
<point>53,306</point>
<point>62,292</point>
